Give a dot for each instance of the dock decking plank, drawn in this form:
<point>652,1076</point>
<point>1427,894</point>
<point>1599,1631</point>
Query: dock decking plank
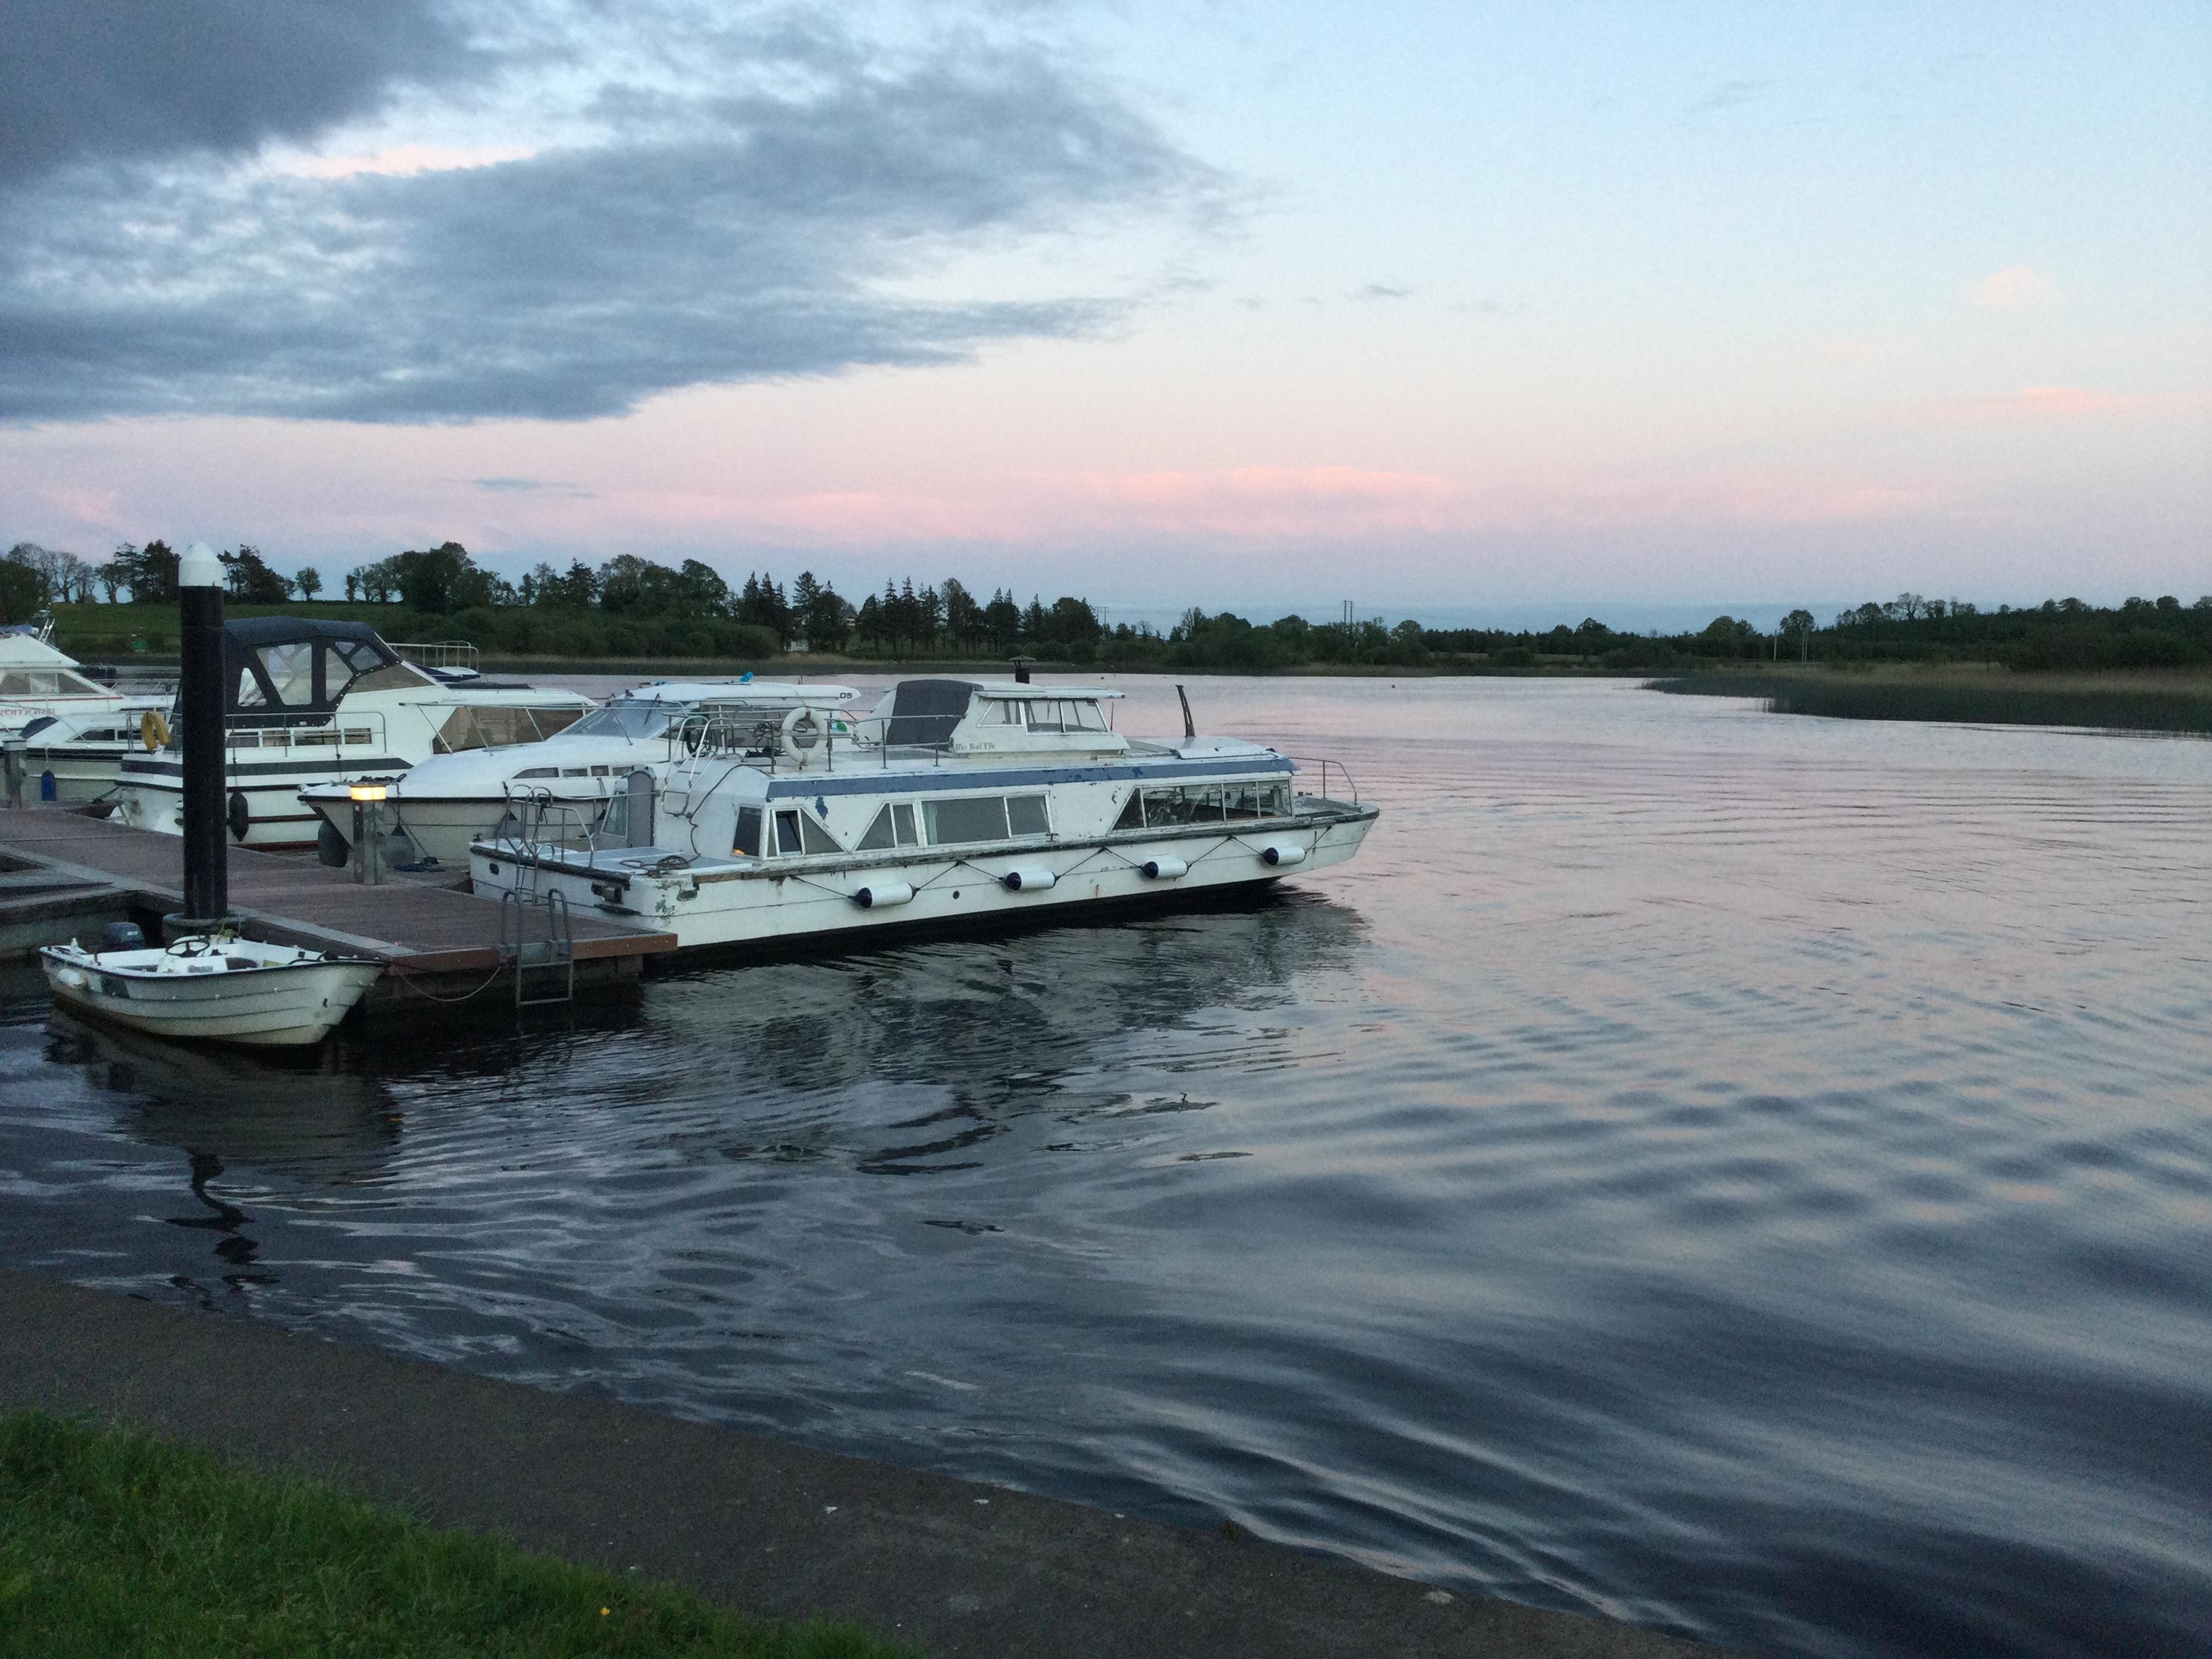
<point>412,927</point>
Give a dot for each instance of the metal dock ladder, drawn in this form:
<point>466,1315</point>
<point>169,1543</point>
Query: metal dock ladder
<point>555,952</point>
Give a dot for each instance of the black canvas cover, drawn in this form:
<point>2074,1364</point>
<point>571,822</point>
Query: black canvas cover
<point>321,658</point>
<point>926,711</point>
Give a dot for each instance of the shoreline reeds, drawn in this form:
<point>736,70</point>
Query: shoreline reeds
<point>2178,710</point>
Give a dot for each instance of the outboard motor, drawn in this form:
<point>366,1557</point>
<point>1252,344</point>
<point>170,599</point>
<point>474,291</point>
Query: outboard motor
<point>122,936</point>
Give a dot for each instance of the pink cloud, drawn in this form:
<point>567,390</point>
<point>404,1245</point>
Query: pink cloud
<point>2014,288</point>
<point>403,159</point>
<point>2058,402</point>
<point>1276,504</point>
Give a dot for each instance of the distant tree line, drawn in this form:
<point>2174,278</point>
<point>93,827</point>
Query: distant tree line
<point>632,606</point>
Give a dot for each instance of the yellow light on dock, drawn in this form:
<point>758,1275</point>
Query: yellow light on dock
<point>367,791</point>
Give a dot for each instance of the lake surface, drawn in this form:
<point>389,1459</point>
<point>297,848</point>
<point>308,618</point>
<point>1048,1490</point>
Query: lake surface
<point>1742,1174</point>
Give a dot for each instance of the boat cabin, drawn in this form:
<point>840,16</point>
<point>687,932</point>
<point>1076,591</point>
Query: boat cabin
<point>969,717</point>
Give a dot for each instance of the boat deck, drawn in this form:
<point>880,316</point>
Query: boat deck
<point>63,873</point>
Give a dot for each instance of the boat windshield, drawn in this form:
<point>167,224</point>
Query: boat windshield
<point>627,719</point>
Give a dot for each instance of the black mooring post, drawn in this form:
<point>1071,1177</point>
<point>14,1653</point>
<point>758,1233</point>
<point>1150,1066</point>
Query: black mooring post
<point>200,732</point>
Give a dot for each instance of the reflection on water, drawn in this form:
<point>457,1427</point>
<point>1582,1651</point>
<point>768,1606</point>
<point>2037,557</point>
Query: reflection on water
<point>1742,1174</point>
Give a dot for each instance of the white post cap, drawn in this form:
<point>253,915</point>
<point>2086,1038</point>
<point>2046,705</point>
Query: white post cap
<point>199,568</point>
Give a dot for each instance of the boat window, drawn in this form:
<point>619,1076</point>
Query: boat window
<point>359,734</point>
<point>496,726</point>
<point>747,840</point>
<point>392,677</point>
<point>1133,813</point>
<point>76,686</point>
<point>245,740</point>
<point>880,834</point>
<point>576,771</point>
<point>626,719</point>
<point>46,720</point>
<point>800,832</point>
<point>1193,802</point>
<point>1045,716</point>
<point>1084,716</point>
<point>968,817</point>
<point>1026,816</point>
<point>1001,712</point>
<point>539,772</point>
<point>290,671</point>
<point>1248,800</point>
<point>1164,807</point>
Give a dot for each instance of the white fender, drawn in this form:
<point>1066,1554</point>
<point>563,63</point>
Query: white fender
<point>884,894</point>
<point>1282,852</point>
<point>1029,878</point>
<point>1164,868</point>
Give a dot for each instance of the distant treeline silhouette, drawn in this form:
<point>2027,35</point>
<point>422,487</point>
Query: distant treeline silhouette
<point>633,607</point>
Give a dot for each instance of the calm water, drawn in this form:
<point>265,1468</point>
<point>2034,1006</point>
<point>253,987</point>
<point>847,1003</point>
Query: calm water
<point>1745,1175</point>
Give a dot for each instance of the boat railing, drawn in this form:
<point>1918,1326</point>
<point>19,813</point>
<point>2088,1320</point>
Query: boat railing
<point>1327,767</point>
<point>437,653</point>
<point>534,823</point>
<point>340,732</point>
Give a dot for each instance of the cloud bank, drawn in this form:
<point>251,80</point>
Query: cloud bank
<point>709,197</point>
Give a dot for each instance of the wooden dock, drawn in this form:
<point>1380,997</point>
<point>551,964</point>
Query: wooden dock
<point>63,874</point>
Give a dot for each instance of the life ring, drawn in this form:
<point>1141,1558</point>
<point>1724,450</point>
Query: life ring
<point>802,732</point>
<point>154,729</point>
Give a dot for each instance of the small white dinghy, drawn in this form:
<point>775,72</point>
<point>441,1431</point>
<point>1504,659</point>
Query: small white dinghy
<point>214,986</point>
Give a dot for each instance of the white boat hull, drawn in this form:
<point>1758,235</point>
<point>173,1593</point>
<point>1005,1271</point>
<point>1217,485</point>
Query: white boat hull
<point>444,829</point>
<point>81,772</point>
<point>285,1004</point>
<point>783,902</point>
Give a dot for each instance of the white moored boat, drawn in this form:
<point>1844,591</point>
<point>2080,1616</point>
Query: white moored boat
<point>74,730</point>
<point>77,755</point>
<point>954,802</point>
<point>449,800</point>
<point>211,987</point>
<point>309,702</point>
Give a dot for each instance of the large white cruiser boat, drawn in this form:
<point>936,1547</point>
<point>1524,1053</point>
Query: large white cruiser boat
<point>309,702</point>
<point>74,730</point>
<point>450,801</point>
<point>952,803</point>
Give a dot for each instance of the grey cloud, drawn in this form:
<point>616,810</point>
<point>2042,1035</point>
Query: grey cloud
<point>722,235</point>
<point>1727,95</point>
<point>535,487</point>
<point>107,79</point>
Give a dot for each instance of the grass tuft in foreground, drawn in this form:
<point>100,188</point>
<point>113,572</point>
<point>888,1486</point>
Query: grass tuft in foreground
<point>116,1542</point>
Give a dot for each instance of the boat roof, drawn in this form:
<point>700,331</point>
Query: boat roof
<point>735,691</point>
<point>252,633</point>
<point>26,650</point>
<point>1058,693</point>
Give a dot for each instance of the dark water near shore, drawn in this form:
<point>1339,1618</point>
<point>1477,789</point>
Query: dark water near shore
<point>1743,1174</point>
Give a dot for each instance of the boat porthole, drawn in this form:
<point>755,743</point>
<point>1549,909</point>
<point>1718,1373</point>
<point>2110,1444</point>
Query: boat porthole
<point>956,892</point>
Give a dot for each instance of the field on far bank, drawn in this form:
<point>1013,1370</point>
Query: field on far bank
<point>2176,701</point>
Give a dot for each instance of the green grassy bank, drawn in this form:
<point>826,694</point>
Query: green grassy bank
<point>2177,702</point>
<point>116,1542</point>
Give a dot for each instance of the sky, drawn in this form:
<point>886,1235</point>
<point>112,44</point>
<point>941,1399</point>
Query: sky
<point>1460,311</point>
